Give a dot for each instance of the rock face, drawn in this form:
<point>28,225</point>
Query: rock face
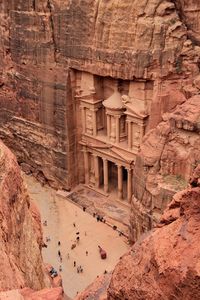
<point>28,294</point>
<point>43,43</point>
<point>20,231</point>
<point>164,264</point>
<point>97,290</point>
<point>169,153</point>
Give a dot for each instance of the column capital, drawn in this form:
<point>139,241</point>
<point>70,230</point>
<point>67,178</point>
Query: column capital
<point>118,165</point>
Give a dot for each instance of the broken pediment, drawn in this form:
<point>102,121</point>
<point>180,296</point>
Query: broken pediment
<point>132,109</point>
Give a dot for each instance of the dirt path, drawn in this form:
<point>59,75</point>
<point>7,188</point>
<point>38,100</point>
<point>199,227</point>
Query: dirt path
<point>60,215</point>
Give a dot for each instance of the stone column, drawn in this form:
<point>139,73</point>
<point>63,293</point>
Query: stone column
<point>96,170</point>
<point>108,126</point>
<point>105,174</point>
<point>120,182</point>
<point>129,184</point>
<point>129,135</point>
<point>86,165</point>
<point>83,119</point>
<point>142,131</point>
<point>94,122</point>
<point>117,129</point>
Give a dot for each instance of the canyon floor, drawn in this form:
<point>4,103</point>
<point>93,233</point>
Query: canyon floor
<point>61,215</point>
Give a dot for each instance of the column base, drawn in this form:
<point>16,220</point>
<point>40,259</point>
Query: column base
<point>105,188</point>
<point>120,196</point>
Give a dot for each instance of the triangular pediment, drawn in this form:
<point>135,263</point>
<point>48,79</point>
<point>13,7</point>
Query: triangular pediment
<point>111,150</point>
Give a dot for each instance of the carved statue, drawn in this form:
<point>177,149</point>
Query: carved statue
<point>125,99</point>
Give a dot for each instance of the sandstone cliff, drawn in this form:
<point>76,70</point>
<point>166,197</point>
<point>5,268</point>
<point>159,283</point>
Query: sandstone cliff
<point>97,290</point>
<point>43,42</point>
<point>164,264</point>
<point>28,294</point>
<point>20,230</point>
<point>168,156</point>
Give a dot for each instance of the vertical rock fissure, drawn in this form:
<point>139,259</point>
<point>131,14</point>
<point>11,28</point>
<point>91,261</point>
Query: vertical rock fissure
<point>34,5</point>
<point>49,6</point>
<point>181,16</point>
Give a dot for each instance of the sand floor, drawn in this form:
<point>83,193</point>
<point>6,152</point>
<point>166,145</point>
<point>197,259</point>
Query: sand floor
<point>60,215</point>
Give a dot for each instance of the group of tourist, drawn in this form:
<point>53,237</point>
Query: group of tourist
<point>53,272</point>
<point>79,268</point>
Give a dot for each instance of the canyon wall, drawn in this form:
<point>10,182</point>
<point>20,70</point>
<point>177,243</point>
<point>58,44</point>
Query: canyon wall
<point>164,263</point>
<point>20,230</point>
<point>41,45</point>
<point>167,158</point>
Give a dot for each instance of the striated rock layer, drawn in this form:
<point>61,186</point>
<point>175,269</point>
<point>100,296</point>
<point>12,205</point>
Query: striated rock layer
<point>28,294</point>
<point>169,153</point>
<point>97,290</point>
<point>42,43</point>
<point>20,230</point>
<point>164,264</point>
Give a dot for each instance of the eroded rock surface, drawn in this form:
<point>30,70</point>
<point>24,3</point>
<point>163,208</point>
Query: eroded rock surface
<point>164,264</point>
<point>169,153</point>
<point>28,294</point>
<point>20,230</point>
<point>97,290</point>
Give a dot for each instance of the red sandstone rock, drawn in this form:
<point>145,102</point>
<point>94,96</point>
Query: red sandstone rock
<point>45,294</point>
<point>97,290</point>
<point>28,294</point>
<point>164,264</point>
<point>20,233</point>
<point>165,163</point>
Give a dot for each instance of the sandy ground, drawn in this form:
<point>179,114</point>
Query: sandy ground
<point>60,215</point>
<point>114,211</point>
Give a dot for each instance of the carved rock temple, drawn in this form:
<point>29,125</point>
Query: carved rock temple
<point>101,101</point>
<point>114,114</point>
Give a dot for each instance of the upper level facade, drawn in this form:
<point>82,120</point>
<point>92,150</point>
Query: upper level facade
<point>114,113</point>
